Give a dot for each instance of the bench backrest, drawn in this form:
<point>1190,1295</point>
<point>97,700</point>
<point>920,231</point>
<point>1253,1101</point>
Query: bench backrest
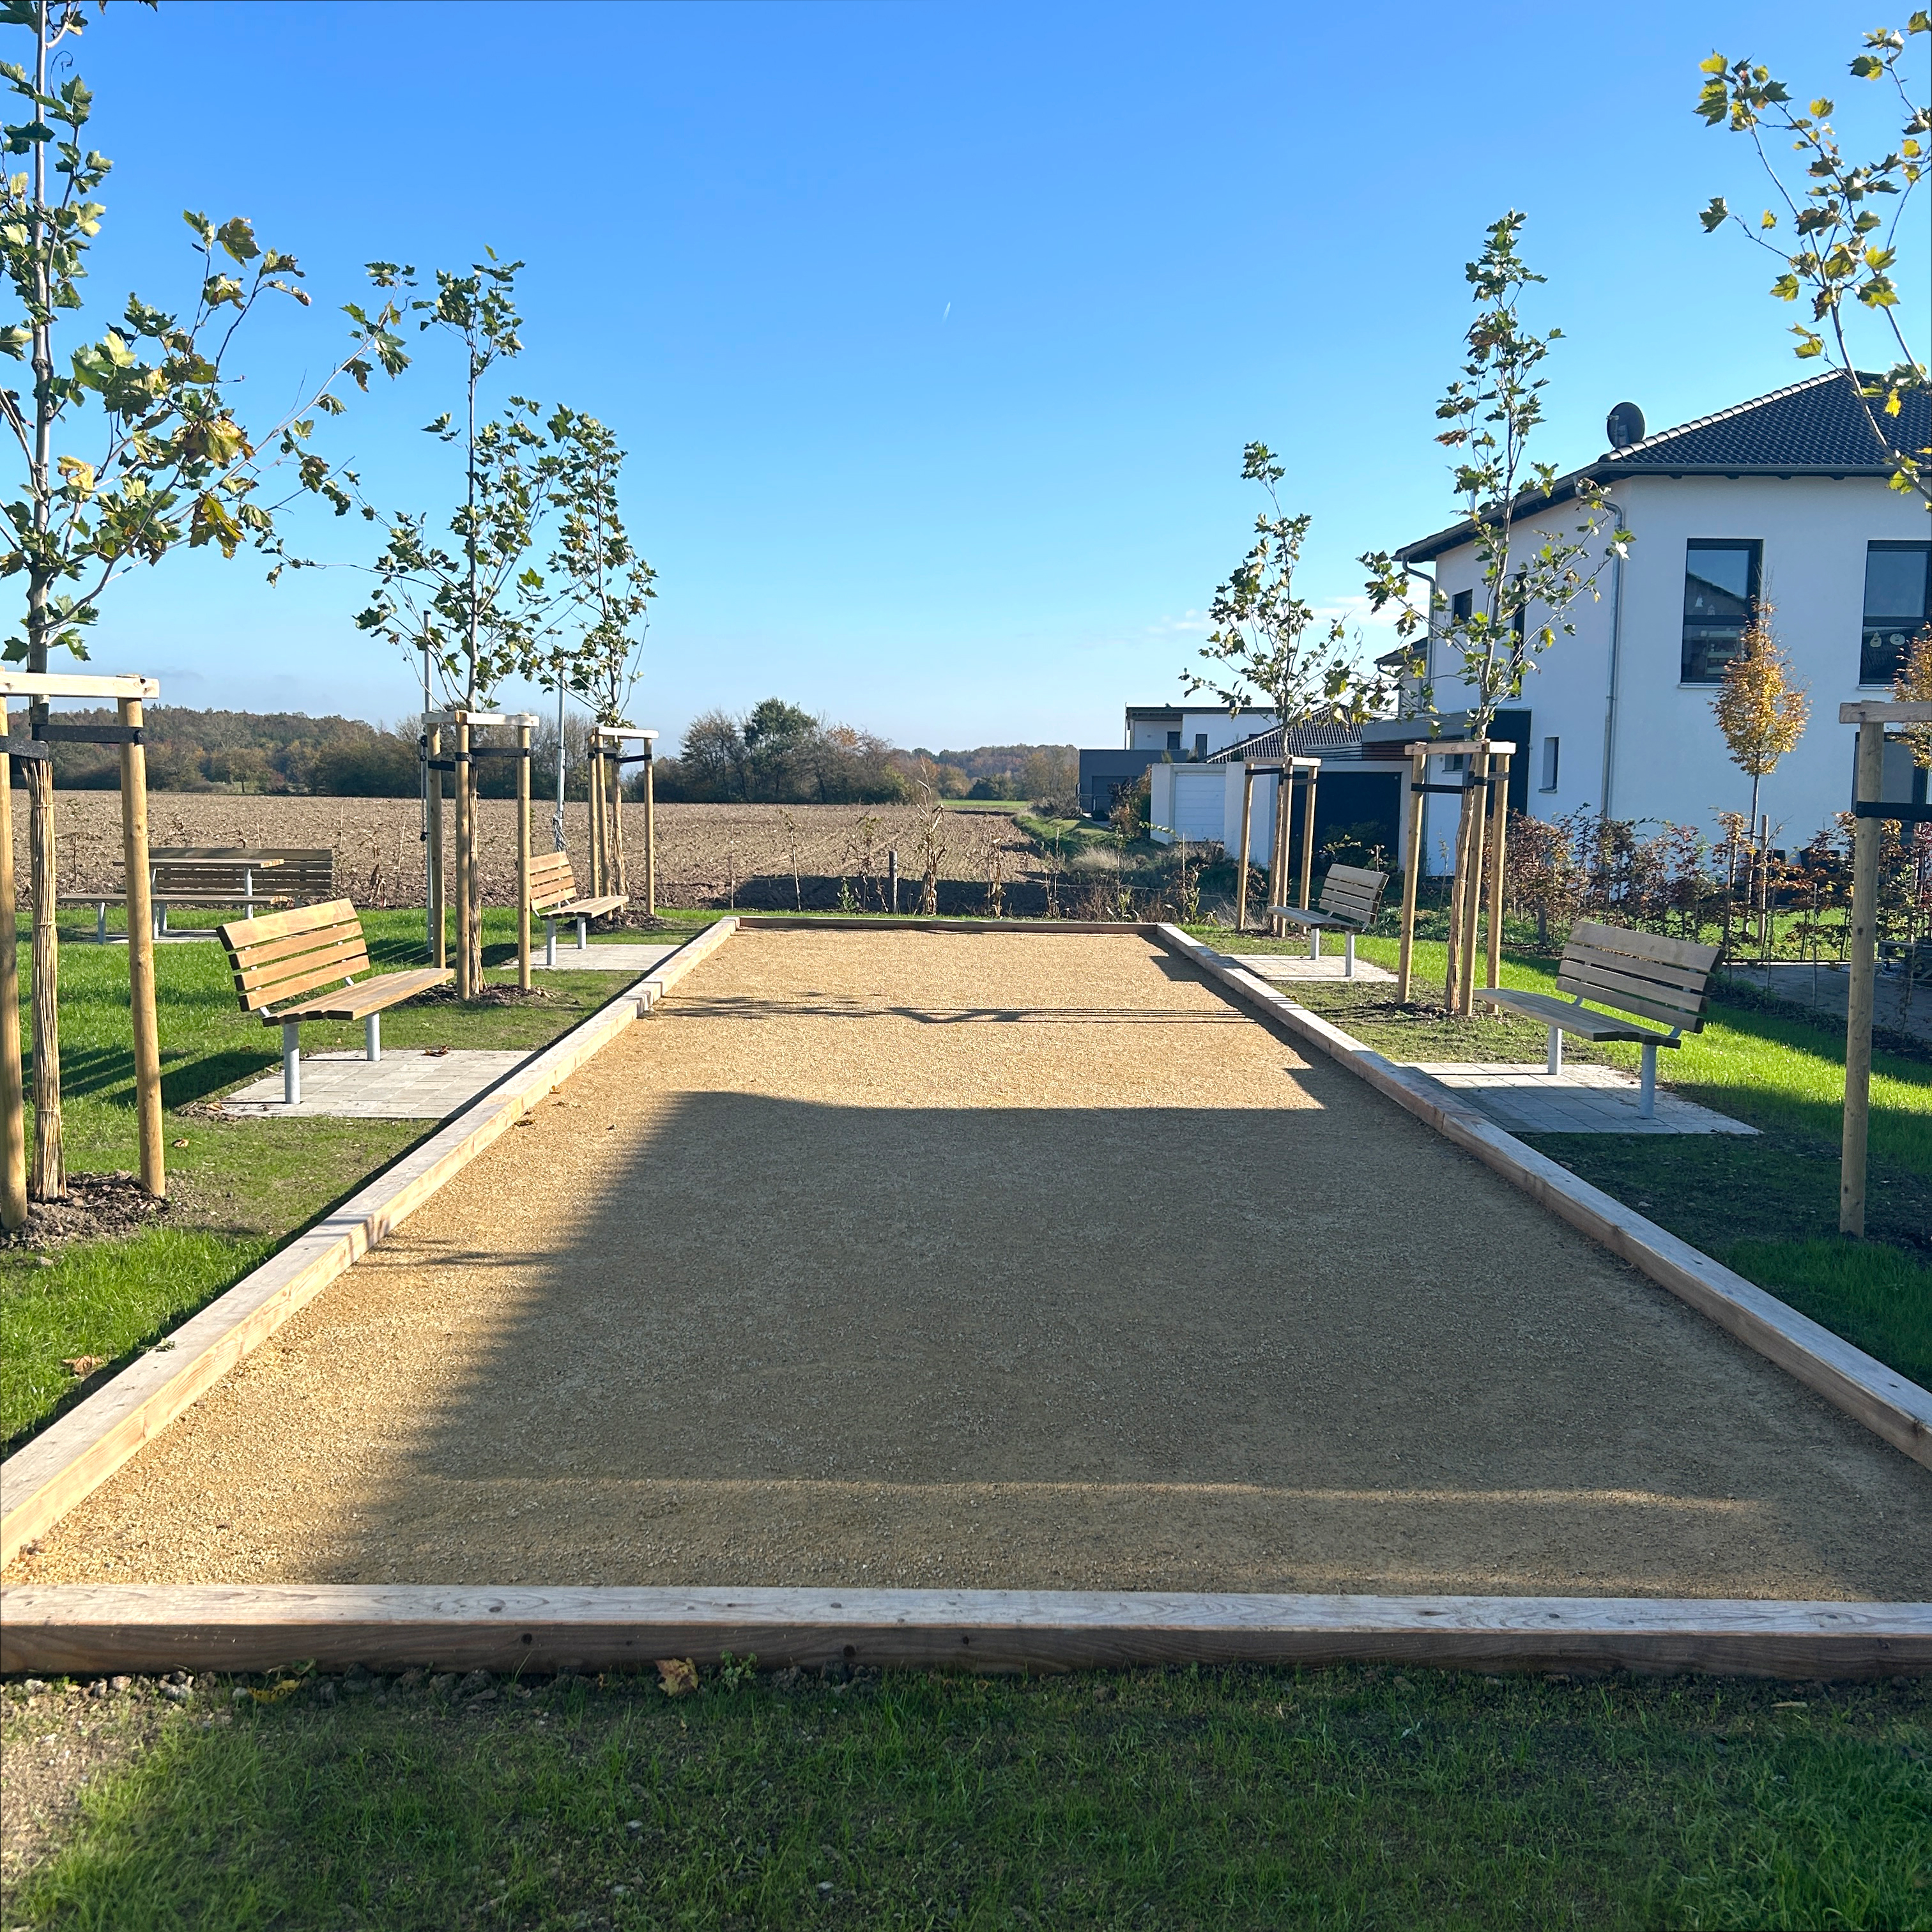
<point>284,955</point>
<point>1351,893</point>
<point>305,872</point>
<point>552,882</point>
<point>210,875</point>
<point>1638,973</point>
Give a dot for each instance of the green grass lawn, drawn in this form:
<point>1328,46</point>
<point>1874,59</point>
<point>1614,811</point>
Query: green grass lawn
<point>237,1188</point>
<point>1357,1798</point>
<point>1767,1206</point>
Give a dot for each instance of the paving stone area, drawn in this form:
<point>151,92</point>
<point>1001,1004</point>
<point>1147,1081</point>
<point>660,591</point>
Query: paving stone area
<point>595,958</point>
<point>1898,1004</point>
<point>1276,968</point>
<point>407,1084</point>
<point>1579,1100</point>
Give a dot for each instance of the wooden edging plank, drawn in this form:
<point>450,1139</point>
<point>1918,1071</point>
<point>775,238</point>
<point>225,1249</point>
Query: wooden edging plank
<point>1885,1402</point>
<point>80,1629</point>
<point>896,922</point>
<point>74,1456</point>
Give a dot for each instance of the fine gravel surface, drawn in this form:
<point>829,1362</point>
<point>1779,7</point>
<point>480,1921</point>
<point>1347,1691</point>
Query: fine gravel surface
<point>1021,1260</point>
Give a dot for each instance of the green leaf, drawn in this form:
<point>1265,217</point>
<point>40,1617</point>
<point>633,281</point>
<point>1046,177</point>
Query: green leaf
<point>1714,217</point>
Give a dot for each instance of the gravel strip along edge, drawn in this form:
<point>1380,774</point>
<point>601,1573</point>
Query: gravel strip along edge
<point>68,1461</point>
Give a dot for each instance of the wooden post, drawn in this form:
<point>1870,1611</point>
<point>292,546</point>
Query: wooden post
<point>473,879</point>
<point>523,854</point>
<point>1308,778</point>
<point>620,871</point>
<point>593,807</point>
<point>1247,846</point>
<point>1411,874</point>
<point>1452,971</point>
<point>1868,782</point>
<point>650,836</point>
<point>1499,832</point>
<point>433,879</point>
<point>1284,806</point>
<point>464,835</point>
<point>1472,899</point>
<point>141,955</point>
<point>48,1178</point>
<point>13,1093</point>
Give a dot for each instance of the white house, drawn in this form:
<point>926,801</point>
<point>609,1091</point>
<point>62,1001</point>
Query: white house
<point>1783,498</point>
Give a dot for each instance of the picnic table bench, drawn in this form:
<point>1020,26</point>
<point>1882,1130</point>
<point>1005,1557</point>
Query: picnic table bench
<point>220,875</point>
<point>1349,896</point>
<point>279,958</point>
<point>553,897</point>
<point>1641,974</point>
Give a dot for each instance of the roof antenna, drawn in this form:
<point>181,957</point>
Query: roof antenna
<point>1624,425</point>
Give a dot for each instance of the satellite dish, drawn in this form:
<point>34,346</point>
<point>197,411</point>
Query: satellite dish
<point>1624,425</point>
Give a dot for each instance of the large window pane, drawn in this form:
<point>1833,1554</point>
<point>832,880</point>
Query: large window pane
<point>1898,603</point>
<point>1720,585</point>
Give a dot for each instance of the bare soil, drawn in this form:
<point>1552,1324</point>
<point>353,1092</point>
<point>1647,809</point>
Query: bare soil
<point>708,855</point>
<point>98,1206</point>
<point>1022,1260</point>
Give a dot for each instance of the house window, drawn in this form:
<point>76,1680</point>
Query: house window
<point>1174,741</point>
<point>1200,744</point>
<point>1550,756</point>
<point>1462,605</point>
<point>1898,604</point>
<point>1720,585</point>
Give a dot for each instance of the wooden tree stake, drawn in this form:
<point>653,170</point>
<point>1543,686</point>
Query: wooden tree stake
<point>465,836</point>
<point>650,836</point>
<point>49,1180</point>
<point>13,1093</point>
<point>1247,846</point>
<point>1307,831</point>
<point>141,955</point>
<point>1411,875</point>
<point>523,855</point>
<point>1499,831</point>
<point>1868,782</point>
<point>433,880</point>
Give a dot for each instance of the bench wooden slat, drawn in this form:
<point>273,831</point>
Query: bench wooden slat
<point>1630,994</point>
<point>297,974</point>
<point>1656,972</point>
<point>1603,938</point>
<point>1579,1020</point>
<point>289,945</point>
<point>368,996</point>
<point>179,899</point>
<point>589,908</point>
<point>278,925</point>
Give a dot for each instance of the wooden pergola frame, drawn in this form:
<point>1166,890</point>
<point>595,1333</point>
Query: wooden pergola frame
<point>1287,773</point>
<point>127,693</point>
<point>1868,811</point>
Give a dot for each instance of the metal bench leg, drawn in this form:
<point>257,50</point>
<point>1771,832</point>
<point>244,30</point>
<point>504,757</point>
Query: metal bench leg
<point>372,1033</point>
<point>100,923</point>
<point>550,942</point>
<point>1646,1096</point>
<point>582,938</point>
<point>162,910</point>
<point>1315,942</point>
<point>1348,947</point>
<point>1554,1063</point>
<point>291,1063</point>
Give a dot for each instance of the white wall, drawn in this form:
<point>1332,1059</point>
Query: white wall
<point>1145,734</point>
<point>1208,799</point>
<point>1668,760</point>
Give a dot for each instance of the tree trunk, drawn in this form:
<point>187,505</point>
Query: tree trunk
<point>48,1181</point>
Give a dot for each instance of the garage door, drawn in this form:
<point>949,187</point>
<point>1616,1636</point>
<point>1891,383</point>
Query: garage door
<point>1199,801</point>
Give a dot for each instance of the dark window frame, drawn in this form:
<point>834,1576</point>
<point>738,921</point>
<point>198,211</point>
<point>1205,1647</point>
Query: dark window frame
<point>1693,665</point>
<point>1878,664</point>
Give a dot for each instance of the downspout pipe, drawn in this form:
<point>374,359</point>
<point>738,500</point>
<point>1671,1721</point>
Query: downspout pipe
<point>1610,693</point>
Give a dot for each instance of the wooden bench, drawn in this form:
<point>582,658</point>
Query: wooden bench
<point>554,898</point>
<point>1349,897</point>
<point>1633,973</point>
<point>278,959</point>
<point>303,874</point>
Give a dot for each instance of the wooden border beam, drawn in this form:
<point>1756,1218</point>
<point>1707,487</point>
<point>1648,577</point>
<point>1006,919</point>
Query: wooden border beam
<point>1884,711</point>
<point>85,1630</point>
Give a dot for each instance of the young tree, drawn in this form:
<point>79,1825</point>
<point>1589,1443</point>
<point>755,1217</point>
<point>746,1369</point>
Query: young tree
<point>1840,245</point>
<point>1912,685</point>
<point>1533,577</point>
<point>1265,640</point>
<point>1761,712</point>
<point>1532,581</point>
<point>168,461</point>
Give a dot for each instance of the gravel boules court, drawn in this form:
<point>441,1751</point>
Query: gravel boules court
<point>1000,1260</point>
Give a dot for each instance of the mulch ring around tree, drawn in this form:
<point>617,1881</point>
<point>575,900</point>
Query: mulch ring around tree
<point>98,1206</point>
<point>487,996</point>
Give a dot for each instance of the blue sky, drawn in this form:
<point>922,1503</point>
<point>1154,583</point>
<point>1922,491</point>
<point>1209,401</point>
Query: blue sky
<point>934,332</point>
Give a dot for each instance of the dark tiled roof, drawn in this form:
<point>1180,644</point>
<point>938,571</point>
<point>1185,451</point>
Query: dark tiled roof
<point>1303,742</point>
<point>1817,427</point>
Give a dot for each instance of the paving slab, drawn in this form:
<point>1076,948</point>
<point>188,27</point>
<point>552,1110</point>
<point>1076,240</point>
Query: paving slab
<point>1581,1100</point>
<point>407,1084</point>
<point>1898,1004</point>
<point>1278,967</point>
<point>596,958</point>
